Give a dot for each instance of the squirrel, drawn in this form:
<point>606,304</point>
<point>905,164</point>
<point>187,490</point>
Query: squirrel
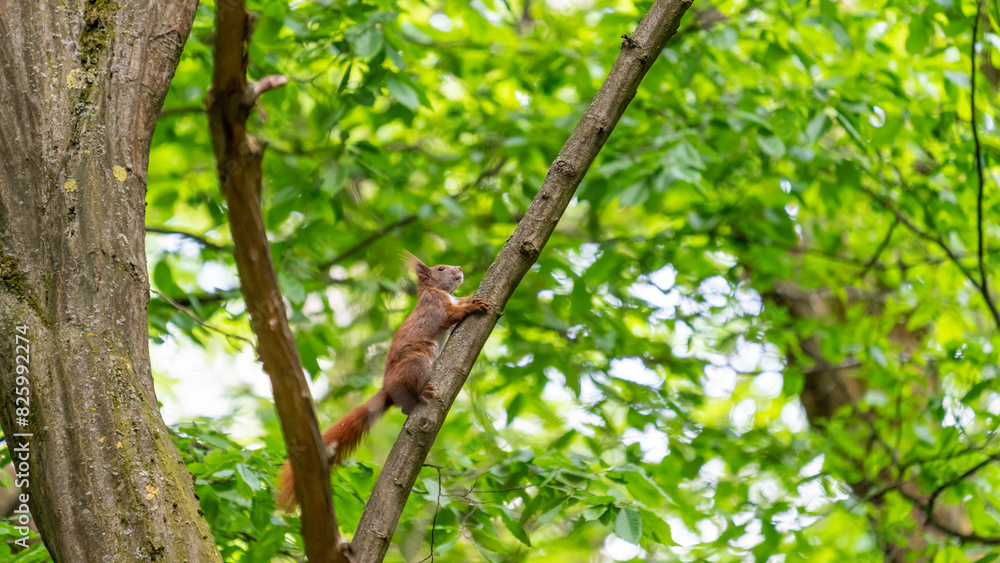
<point>408,364</point>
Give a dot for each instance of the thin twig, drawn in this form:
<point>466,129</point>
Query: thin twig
<point>267,83</point>
<point>170,112</point>
<point>878,252</point>
<point>362,244</point>
<point>945,528</point>
<point>365,242</point>
<point>195,318</point>
<point>889,206</point>
<point>955,259</point>
<point>972,471</point>
<point>203,298</point>
<point>984,287</point>
<point>436,509</point>
<point>197,238</point>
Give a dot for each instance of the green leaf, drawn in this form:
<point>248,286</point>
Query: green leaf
<point>849,127</point>
<point>334,179</point>
<point>628,525</point>
<point>488,541</point>
<point>403,93</point>
<point>977,389</point>
<point>642,489</point>
<point>514,407</point>
<point>163,278</point>
<point>818,126</point>
<point>594,512</point>
<point>515,528</point>
<point>382,17</point>
<point>366,40</point>
<point>916,39</point>
<point>247,476</point>
<point>291,287</point>
<point>656,528</point>
<point>395,56</point>
<point>772,145</point>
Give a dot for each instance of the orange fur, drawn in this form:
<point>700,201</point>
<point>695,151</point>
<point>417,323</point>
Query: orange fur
<point>408,364</point>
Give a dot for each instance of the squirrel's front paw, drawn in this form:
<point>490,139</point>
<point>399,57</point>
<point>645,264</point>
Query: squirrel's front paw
<point>479,306</point>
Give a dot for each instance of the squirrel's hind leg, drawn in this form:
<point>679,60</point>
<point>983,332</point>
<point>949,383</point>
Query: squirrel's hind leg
<point>408,382</point>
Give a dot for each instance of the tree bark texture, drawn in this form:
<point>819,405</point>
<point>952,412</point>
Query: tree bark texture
<point>238,158</point>
<point>639,51</point>
<point>81,85</point>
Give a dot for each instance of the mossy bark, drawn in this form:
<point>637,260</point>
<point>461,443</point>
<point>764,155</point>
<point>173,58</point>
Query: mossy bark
<point>81,86</point>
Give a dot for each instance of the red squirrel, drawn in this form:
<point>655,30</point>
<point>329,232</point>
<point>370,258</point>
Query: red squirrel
<point>408,364</point>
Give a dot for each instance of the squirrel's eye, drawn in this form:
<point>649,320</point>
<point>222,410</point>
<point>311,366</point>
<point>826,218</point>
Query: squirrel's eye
<point>441,269</point>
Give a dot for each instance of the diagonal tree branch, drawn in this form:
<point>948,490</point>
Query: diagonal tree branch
<point>638,53</point>
<point>238,156</point>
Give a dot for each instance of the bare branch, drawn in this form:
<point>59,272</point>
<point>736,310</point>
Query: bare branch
<point>198,320</point>
<point>983,286</point>
<point>269,82</point>
<point>937,240</point>
<point>200,239</point>
<point>958,479</point>
<point>365,242</point>
<point>878,252</point>
<point>181,110</point>
<point>521,250</point>
<point>436,510</point>
<point>238,157</point>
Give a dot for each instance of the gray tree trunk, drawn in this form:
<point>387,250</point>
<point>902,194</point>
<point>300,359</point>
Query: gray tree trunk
<point>81,86</point>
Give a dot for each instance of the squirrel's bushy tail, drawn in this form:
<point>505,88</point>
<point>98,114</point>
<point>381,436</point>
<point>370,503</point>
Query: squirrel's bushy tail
<point>341,439</point>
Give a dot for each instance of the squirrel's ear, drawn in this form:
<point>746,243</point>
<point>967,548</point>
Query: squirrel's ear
<point>415,264</point>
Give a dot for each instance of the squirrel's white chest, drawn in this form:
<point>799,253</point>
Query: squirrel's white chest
<point>442,337</point>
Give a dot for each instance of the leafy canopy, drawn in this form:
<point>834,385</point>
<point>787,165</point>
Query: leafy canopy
<point>644,382</point>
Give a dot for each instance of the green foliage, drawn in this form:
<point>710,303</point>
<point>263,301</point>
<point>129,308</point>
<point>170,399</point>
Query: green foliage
<point>234,485</point>
<point>36,552</point>
<point>645,380</point>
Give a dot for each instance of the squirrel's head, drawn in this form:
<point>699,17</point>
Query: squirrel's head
<point>442,276</point>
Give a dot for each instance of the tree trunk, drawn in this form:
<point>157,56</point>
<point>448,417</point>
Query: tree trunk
<point>81,86</point>
<point>238,158</point>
